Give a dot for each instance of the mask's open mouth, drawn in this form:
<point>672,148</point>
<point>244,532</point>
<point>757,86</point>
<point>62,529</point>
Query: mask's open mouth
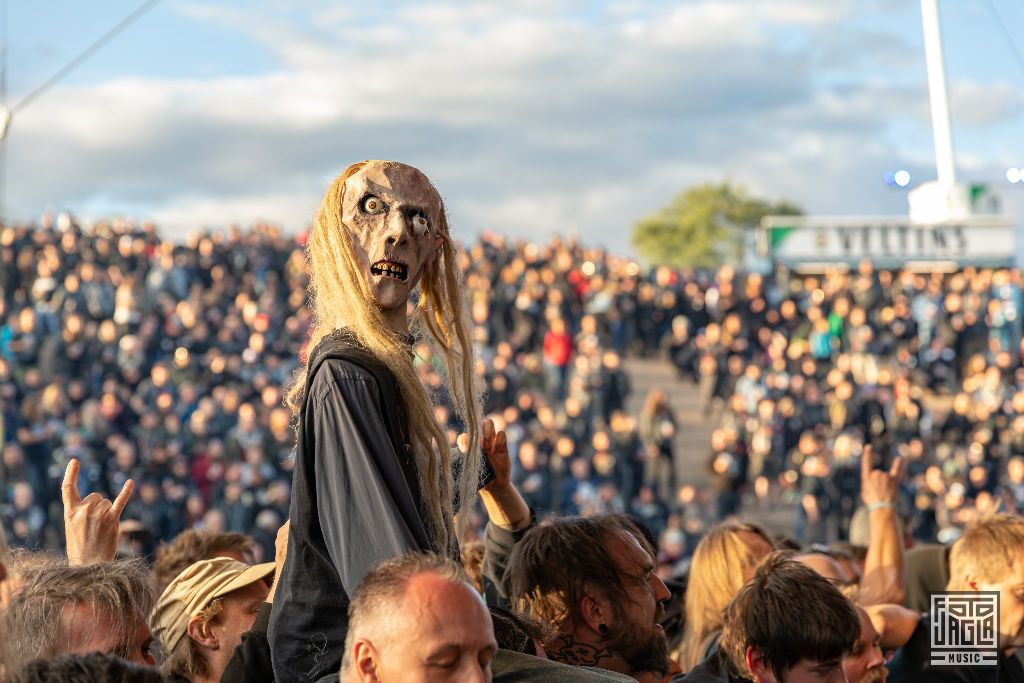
<point>393,269</point>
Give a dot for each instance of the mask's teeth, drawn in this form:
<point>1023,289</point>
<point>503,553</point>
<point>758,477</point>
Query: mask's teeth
<point>398,271</point>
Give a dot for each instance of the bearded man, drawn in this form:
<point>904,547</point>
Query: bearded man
<point>594,581</point>
<point>373,473</point>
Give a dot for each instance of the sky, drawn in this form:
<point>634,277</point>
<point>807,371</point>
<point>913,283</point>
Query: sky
<point>532,117</point>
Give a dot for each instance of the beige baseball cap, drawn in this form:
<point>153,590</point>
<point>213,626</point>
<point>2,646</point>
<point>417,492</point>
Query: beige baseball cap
<point>194,589</point>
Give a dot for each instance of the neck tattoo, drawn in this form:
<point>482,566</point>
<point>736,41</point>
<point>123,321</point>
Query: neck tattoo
<point>568,650</point>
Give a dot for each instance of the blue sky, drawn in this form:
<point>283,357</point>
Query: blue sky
<point>531,116</point>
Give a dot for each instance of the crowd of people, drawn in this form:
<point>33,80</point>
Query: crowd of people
<point>142,415</point>
<point>575,599</point>
<point>166,364</point>
<point>809,372</point>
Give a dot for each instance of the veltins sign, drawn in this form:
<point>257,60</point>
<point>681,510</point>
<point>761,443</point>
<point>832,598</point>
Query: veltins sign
<point>803,239</point>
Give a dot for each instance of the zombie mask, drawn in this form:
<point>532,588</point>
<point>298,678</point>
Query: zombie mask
<point>394,213</point>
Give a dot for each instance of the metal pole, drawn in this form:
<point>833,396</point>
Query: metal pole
<point>941,130</point>
<point>3,105</point>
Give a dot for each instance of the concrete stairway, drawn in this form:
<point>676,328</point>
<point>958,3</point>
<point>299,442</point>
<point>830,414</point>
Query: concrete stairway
<point>694,432</point>
<point>693,438</point>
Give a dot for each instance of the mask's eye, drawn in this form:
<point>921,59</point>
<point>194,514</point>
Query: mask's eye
<point>372,204</point>
<point>420,225</point>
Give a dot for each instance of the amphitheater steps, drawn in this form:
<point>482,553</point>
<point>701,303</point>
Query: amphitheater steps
<point>694,434</point>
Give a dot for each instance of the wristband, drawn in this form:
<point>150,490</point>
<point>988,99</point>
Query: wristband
<point>881,505</point>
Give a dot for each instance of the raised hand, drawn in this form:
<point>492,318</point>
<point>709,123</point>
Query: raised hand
<point>505,507</point>
<point>91,525</point>
<point>883,567</point>
<point>879,486</point>
<point>495,447</point>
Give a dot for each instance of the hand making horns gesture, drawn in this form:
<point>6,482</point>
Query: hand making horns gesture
<point>91,524</point>
<point>879,486</point>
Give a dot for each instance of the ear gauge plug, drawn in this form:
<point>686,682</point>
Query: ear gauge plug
<point>602,629</point>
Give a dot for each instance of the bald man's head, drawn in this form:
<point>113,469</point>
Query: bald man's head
<point>416,618</point>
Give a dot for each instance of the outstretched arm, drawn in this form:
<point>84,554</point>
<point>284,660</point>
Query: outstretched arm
<point>883,566</point>
<point>505,506</point>
<point>509,517</point>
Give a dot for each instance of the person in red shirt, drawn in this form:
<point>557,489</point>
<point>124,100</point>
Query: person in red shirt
<point>558,350</point>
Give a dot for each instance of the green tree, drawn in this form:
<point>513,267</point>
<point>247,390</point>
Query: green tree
<point>703,226</point>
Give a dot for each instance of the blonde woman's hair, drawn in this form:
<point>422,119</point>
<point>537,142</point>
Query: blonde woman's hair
<point>721,564</point>
<point>341,299</point>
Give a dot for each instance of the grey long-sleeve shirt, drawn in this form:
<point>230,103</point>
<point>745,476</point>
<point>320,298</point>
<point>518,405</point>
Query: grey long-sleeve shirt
<point>355,502</point>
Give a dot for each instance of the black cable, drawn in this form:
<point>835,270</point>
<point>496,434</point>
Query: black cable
<point>1007,35</point>
<point>84,54</point>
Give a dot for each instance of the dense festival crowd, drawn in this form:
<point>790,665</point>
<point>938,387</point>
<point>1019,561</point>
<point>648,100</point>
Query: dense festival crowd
<point>808,372</point>
<point>574,599</point>
<point>887,408</point>
<point>166,364</point>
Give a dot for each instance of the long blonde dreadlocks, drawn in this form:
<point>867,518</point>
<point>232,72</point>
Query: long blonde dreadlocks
<point>341,299</point>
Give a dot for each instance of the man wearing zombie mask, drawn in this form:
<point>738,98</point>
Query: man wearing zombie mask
<point>370,481</point>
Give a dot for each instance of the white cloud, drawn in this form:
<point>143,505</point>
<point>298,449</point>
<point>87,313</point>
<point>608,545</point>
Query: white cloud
<point>981,104</point>
<point>531,117</point>
<point>188,214</point>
